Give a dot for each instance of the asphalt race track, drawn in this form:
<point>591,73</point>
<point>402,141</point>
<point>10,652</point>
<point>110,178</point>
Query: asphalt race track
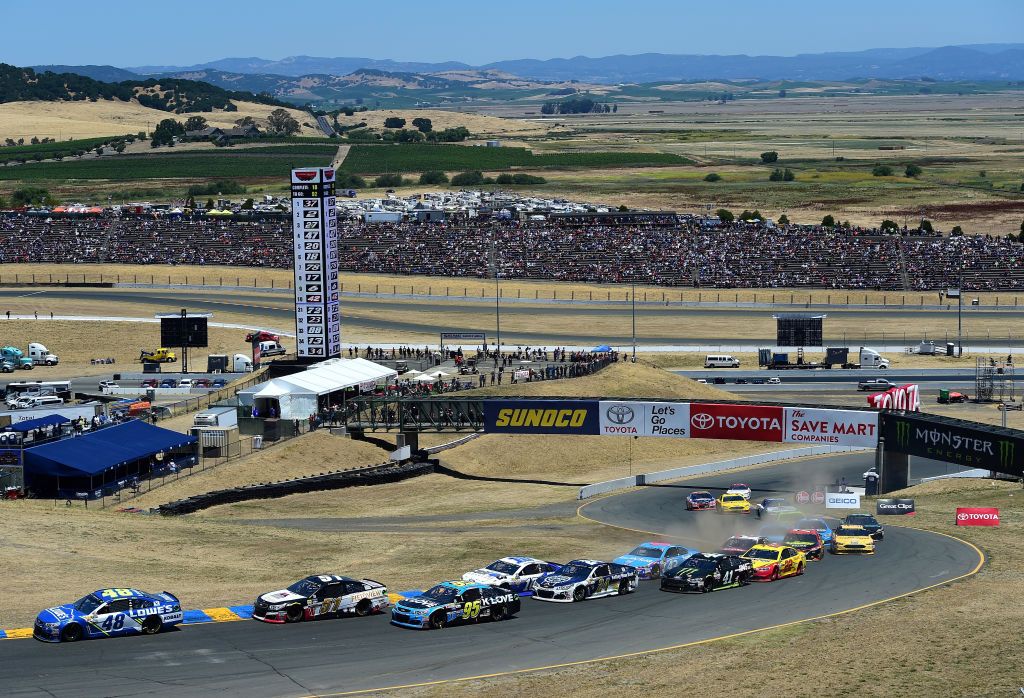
<point>253,659</point>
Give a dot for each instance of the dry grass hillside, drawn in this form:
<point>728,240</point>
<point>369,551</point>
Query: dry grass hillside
<point>67,120</point>
<point>310,454</point>
<point>478,124</point>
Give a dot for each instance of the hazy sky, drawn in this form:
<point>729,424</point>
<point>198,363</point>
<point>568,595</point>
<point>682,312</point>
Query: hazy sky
<point>479,31</point>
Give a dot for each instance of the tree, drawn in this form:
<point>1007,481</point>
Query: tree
<point>913,171</point>
<point>468,179</point>
<point>280,122</point>
<point>769,157</point>
<point>1022,229</point>
<point>98,150</point>
<point>713,177</point>
<point>388,180</point>
<point>615,109</point>
<point>776,175</point>
<point>828,222</point>
<point>881,171</point>
<point>725,215</point>
<point>423,125</point>
<point>394,122</point>
<point>783,219</point>
<point>119,147</point>
<point>433,177</point>
<point>889,226</point>
<point>548,108</point>
<point>35,140</point>
<point>29,196</point>
<point>190,202</point>
<point>957,230</point>
<point>245,121</point>
<point>788,176</point>
<point>195,123</point>
<point>926,226</point>
<point>782,93</point>
<point>209,204</point>
<point>247,206</point>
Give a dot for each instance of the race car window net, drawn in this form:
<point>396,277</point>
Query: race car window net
<point>440,593</point>
<point>305,587</point>
<point>762,554</point>
<point>502,567</point>
<point>641,551</point>
<point>87,604</point>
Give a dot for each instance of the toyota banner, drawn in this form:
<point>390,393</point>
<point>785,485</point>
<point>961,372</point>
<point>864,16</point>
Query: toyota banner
<point>645,419</point>
<point>977,516</point>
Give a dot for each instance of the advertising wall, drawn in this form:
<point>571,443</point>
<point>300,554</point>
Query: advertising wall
<point>978,447</point>
<point>541,417</point>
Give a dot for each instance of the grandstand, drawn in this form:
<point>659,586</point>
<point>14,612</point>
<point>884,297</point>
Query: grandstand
<point>741,255</point>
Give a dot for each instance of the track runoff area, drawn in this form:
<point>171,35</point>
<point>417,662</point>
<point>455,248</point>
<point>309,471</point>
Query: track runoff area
<point>353,655</point>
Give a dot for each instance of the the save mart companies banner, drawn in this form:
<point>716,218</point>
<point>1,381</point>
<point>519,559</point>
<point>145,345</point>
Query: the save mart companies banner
<point>975,447</point>
<point>683,420</point>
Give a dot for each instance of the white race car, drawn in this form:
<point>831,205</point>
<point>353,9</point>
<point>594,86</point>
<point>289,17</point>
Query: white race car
<point>513,573</point>
<point>319,596</point>
<point>740,489</point>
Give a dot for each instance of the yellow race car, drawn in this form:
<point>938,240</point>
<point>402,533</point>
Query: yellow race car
<point>772,562</point>
<point>733,504</point>
<point>852,539</point>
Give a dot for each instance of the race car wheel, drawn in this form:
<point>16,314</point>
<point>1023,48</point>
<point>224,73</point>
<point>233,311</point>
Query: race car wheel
<point>438,621</point>
<point>498,613</point>
<point>293,614</point>
<point>363,608</point>
<point>624,587</point>
<point>579,593</point>
<point>71,633</point>
<point>152,625</point>
<point>800,569</point>
<point>709,585</point>
<point>744,580</point>
<point>775,574</point>
<point>655,572</point>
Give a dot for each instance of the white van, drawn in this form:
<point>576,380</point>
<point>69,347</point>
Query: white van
<point>271,349</point>
<point>720,361</point>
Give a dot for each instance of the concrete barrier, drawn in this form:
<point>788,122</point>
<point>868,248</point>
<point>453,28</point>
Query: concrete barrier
<point>718,466</point>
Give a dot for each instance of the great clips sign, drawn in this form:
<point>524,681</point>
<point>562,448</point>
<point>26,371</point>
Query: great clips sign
<point>741,422</point>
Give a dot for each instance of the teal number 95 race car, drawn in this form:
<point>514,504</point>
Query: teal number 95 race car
<point>106,613</point>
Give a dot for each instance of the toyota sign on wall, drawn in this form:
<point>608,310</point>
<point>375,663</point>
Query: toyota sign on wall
<point>671,419</point>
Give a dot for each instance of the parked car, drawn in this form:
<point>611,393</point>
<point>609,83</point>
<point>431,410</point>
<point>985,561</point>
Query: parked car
<point>149,383</point>
<point>168,383</point>
<point>186,383</point>
<point>719,380</point>
<point>104,386</point>
<point>201,383</point>
<point>758,381</point>
<point>218,383</point>
<point>774,380</point>
<point>741,381</point>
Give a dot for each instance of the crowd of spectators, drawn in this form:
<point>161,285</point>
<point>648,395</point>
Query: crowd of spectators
<point>740,255</point>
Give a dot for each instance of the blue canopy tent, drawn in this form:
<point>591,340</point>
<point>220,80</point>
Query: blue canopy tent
<point>109,455</point>
<point>602,348</point>
<point>30,424</point>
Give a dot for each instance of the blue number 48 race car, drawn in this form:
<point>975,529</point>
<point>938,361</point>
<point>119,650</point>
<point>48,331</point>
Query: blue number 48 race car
<point>106,613</point>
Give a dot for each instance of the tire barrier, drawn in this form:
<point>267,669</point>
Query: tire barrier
<point>340,479</point>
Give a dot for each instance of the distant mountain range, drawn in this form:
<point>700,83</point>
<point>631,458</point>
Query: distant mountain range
<point>968,62</point>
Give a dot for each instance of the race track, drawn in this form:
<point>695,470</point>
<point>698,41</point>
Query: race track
<point>253,659</point>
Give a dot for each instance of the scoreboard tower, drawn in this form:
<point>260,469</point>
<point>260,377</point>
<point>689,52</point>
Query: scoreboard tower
<point>315,237</point>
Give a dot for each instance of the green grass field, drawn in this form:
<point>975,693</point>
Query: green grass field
<point>377,159</point>
<point>12,153</point>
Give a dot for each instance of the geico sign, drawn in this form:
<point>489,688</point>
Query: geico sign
<point>903,397</point>
<point>842,500</point>
<point>977,516</point>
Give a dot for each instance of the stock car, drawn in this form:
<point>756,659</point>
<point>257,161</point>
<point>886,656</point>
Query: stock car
<point>773,506</point>
<point>868,522</point>
<point>808,541</point>
<point>649,559</point>
<point>706,572</point>
<point>733,504</point>
<point>586,579</point>
<point>852,539</point>
<point>513,573</point>
<point>107,613</point>
<point>823,527</point>
<point>321,596</point>
<point>774,533</point>
<point>773,562</point>
<point>699,501</point>
<point>739,488</point>
<point>739,544</point>
<point>451,603</point>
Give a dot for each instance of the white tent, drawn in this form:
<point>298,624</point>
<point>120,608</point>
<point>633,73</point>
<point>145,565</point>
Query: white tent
<point>296,395</point>
<point>409,375</point>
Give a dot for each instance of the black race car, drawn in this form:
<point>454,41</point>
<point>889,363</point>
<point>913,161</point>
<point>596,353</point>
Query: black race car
<point>706,572</point>
<point>321,595</point>
<point>586,579</point>
<point>868,522</point>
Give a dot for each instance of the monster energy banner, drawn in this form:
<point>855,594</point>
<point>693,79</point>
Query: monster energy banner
<point>961,443</point>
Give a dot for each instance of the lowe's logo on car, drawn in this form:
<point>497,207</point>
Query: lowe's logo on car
<point>842,500</point>
<point>666,419</point>
<point>541,416</point>
<point>832,427</point>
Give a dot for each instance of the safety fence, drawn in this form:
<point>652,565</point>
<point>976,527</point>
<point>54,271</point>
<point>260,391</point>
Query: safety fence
<point>756,459</point>
<point>339,479</point>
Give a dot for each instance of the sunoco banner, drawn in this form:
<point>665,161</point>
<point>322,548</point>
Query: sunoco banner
<point>975,447</point>
<point>671,419</point>
<point>541,416</point>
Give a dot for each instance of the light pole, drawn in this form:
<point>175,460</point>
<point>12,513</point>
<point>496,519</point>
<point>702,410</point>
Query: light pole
<point>634,321</point>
